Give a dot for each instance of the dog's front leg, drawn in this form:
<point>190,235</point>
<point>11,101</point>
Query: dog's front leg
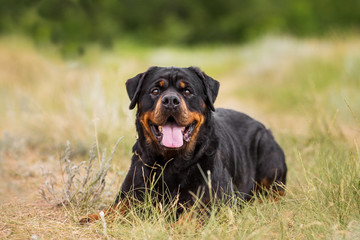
<point>119,209</point>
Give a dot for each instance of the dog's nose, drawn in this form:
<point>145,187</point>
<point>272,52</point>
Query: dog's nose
<point>170,102</point>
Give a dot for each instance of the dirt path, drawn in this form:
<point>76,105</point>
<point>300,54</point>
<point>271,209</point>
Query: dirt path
<point>24,214</point>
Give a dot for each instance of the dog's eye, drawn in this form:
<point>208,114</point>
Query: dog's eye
<point>155,91</point>
<point>187,92</point>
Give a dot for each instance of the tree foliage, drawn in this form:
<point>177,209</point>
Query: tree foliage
<point>77,22</point>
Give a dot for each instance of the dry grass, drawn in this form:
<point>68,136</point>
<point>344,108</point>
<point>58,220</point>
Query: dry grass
<point>84,183</point>
<point>306,91</point>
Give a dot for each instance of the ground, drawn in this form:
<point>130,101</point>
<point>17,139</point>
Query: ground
<point>305,91</point>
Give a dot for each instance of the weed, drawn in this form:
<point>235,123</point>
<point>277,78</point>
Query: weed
<point>84,183</point>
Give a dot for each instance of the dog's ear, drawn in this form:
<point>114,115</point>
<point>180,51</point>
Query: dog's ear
<point>133,87</point>
<point>211,86</point>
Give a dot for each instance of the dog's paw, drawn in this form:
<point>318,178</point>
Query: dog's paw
<point>89,219</point>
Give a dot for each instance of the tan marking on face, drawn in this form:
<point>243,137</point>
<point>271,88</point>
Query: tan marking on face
<point>185,118</point>
<point>144,120</point>
<point>162,83</point>
<point>199,118</point>
<point>182,84</point>
<point>159,119</point>
<point>153,116</point>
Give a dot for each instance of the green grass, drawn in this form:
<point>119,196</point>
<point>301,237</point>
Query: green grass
<point>306,91</point>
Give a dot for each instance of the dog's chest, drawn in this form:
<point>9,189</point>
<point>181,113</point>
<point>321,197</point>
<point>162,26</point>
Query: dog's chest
<point>177,182</point>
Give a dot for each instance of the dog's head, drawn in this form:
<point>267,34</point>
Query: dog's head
<point>172,104</point>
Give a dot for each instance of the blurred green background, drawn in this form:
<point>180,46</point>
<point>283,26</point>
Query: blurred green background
<point>72,24</point>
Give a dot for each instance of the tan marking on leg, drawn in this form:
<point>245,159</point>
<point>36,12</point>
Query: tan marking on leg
<point>266,183</point>
<point>122,208</point>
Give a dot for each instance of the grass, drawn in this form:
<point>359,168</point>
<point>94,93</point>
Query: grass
<point>306,91</point>
<point>84,182</point>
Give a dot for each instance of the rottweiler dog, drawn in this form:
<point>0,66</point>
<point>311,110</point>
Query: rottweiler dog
<point>196,149</point>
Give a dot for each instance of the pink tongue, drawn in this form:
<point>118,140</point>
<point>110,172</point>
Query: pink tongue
<point>172,136</point>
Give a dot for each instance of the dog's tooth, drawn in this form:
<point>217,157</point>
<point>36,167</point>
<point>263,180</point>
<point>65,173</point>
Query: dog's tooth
<point>160,128</point>
<point>183,129</point>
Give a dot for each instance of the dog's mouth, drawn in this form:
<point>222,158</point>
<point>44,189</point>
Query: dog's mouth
<point>172,135</point>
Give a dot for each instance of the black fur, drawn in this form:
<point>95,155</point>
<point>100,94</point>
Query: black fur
<point>237,151</point>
